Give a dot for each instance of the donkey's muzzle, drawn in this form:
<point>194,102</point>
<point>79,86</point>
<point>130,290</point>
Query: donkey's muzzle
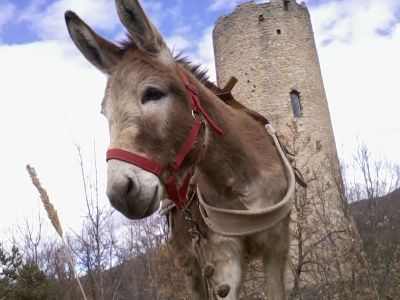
<point>134,194</point>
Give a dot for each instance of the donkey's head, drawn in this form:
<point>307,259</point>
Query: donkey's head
<point>145,105</point>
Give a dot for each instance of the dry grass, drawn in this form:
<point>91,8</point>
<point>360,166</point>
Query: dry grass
<point>55,221</point>
<point>51,211</point>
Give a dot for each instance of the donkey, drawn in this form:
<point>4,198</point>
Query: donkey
<point>159,138</point>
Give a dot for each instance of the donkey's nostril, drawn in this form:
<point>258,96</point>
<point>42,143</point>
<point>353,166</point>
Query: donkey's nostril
<point>129,186</point>
<point>132,186</point>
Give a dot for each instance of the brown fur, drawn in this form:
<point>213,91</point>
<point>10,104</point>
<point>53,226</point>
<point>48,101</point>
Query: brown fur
<point>241,169</point>
<point>233,162</point>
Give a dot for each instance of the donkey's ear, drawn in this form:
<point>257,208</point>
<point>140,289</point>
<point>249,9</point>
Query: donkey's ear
<point>142,31</point>
<point>100,52</point>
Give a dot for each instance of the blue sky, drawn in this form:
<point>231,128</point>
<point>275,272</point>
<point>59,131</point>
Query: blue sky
<point>50,96</point>
<point>174,17</point>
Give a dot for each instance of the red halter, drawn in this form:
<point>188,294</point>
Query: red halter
<point>178,194</point>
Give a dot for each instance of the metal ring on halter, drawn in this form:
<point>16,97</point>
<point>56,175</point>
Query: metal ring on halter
<point>196,115</point>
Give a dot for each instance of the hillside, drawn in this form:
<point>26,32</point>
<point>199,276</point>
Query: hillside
<point>378,214</point>
<point>378,223</point>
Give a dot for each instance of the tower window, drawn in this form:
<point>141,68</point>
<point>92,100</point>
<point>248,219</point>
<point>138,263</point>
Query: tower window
<point>286,4</point>
<point>278,31</point>
<point>296,105</point>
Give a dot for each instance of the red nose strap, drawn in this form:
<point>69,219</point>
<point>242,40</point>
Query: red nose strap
<point>137,160</point>
<point>177,194</point>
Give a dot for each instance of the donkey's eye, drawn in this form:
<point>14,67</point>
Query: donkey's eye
<point>152,94</point>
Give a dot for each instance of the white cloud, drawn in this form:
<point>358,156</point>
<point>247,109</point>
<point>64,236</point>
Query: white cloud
<point>361,71</point>
<point>49,98</point>
<point>177,43</point>
<point>199,51</point>
<point>48,22</point>
<point>205,52</point>
<point>350,21</point>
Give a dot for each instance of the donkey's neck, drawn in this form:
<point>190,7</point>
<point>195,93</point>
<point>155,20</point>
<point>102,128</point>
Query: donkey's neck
<point>241,168</point>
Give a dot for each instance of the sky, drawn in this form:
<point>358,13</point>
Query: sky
<point>50,95</point>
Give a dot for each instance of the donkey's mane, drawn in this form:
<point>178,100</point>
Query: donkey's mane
<point>127,43</point>
<point>196,69</point>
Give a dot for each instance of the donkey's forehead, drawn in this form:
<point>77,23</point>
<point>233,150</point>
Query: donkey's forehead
<point>135,68</point>
<point>135,71</point>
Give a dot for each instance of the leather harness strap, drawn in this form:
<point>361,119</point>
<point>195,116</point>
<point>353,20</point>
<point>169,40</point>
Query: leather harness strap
<point>231,222</point>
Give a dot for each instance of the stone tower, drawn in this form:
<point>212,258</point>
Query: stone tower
<point>270,49</point>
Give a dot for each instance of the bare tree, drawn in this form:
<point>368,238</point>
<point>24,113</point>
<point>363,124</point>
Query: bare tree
<point>324,260</point>
<point>375,196</point>
<point>95,245</point>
